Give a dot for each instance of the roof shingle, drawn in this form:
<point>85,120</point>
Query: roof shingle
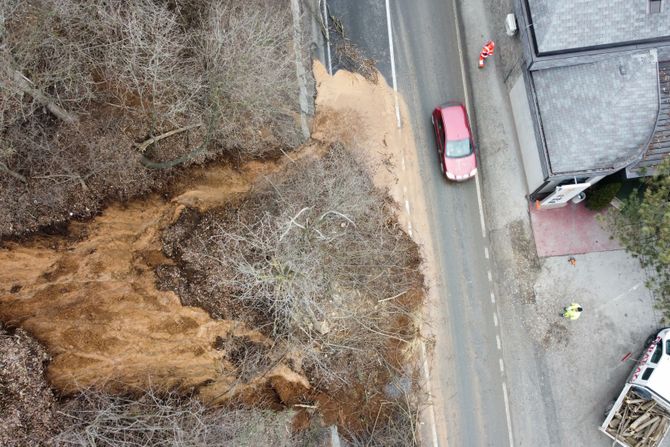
<point>598,115</point>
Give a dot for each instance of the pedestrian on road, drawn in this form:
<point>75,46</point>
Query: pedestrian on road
<point>487,50</point>
<point>572,312</point>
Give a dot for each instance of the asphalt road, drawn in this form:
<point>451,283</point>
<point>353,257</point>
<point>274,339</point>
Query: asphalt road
<point>467,365</point>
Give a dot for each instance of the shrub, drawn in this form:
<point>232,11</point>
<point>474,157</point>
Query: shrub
<point>599,196</point>
<point>83,83</point>
<point>315,258</point>
<point>167,419</point>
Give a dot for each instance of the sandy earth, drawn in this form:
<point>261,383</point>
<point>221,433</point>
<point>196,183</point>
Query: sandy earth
<point>90,297</point>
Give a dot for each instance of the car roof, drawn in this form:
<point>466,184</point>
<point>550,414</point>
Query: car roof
<point>455,121</point>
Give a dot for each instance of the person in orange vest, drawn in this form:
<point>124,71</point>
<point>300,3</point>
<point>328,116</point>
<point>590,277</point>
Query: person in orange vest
<point>487,50</point>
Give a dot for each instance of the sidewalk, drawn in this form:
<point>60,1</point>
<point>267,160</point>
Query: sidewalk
<point>570,230</point>
<point>561,374</point>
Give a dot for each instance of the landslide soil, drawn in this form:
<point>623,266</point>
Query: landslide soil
<point>90,296</point>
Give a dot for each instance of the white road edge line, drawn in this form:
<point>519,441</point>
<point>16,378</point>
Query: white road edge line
<point>466,92</point>
<point>481,207</point>
<point>325,24</point>
<point>426,374</point>
<point>507,414</point>
<point>393,75</point>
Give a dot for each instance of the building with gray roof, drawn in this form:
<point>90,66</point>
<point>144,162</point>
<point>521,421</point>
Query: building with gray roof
<point>593,83</point>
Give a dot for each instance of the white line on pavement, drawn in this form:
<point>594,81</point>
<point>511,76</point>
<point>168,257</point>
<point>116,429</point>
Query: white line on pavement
<point>481,207</point>
<point>426,374</point>
<point>393,75</point>
<point>493,298</point>
<point>325,24</point>
<point>407,207</point>
<point>502,365</point>
<point>486,252</point>
<point>507,413</point>
<point>495,319</point>
<point>488,273</point>
<point>498,342</point>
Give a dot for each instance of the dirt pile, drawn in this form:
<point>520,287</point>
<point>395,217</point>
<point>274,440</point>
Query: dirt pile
<point>91,298</point>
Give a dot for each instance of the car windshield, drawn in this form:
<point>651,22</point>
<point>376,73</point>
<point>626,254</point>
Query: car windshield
<point>458,148</point>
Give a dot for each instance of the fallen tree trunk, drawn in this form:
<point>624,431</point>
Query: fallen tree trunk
<point>14,78</point>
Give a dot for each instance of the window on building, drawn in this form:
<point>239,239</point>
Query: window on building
<point>654,6</point>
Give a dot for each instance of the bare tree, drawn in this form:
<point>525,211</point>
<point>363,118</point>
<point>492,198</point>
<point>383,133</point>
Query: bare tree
<point>155,419</point>
<point>317,254</point>
<point>133,85</point>
<point>254,38</point>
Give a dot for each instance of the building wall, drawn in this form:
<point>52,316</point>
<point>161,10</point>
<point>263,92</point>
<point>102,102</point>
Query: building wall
<point>523,121</point>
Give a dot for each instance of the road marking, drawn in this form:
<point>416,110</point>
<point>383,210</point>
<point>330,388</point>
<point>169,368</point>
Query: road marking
<point>481,207</point>
<point>407,207</point>
<point>486,252</point>
<point>325,19</point>
<point>299,67</point>
<point>618,297</point>
<point>498,343</point>
<point>393,75</point>
<point>502,365</point>
<point>509,417</point>
<point>409,228</point>
<point>495,319</point>
<point>426,375</point>
<point>488,273</point>
<point>493,298</point>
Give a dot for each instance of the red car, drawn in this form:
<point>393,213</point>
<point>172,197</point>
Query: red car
<point>454,141</point>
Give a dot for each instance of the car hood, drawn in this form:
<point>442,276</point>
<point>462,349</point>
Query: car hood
<point>461,167</point>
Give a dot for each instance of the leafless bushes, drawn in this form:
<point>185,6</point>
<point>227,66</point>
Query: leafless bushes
<point>396,424</point>
<point>27,405</point>
<point>157,420</point>
<point>90,79</point>
<point>244,110</point>
<point>317,256</point>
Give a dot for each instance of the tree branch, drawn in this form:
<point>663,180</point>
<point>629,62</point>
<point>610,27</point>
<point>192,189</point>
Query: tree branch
<point>17,79</point>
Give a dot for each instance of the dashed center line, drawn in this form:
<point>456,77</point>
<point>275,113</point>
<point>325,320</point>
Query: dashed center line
<point>495,319</point>
<point>502,365</point>
<point>490,276</point>
<point>493,298</point>
<point>498,343</point>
